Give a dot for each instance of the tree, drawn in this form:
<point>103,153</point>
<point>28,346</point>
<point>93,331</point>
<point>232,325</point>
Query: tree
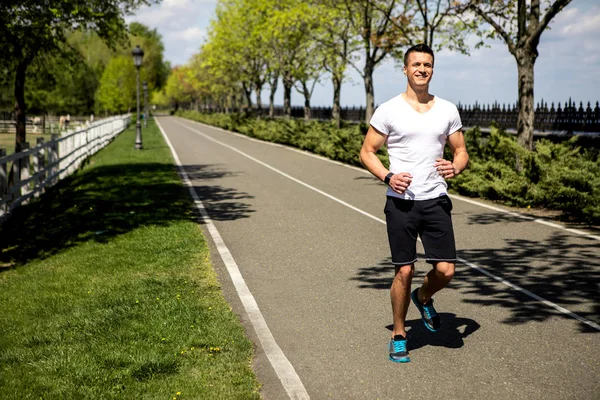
<point>373,22</point>
<point>287,34</point>
<point>117,90</point>
<point>177,89</point>
<point>337,43</point>
<point>217,77</point>
<point>160,99</point>
<point>92,50</point>
<point>386,26</point>
<point>440,24</point>
<point>307,67</point>
<point>29,29</point>
<point>60,85</point>
<point>236,46</point>
<point>520,24</point>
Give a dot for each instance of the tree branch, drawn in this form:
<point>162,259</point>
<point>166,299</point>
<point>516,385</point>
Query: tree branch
<point>554,9</point>
<point>496,26</point>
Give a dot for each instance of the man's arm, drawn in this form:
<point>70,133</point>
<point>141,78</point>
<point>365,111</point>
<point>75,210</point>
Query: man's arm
<point>368,157</point>
<point>460,157</point>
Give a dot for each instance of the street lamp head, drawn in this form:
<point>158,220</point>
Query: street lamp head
<point>138,55</point>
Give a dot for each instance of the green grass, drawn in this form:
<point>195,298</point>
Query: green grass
<point>107,291</point>
<point>7,140</point>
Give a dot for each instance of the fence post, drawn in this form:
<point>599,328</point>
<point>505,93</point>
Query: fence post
<point>25,173</point>
<point>53,158</point>
<point>40,165</point>
<point>3,182</point>
<point>16,169</point>
<point>70,146</point>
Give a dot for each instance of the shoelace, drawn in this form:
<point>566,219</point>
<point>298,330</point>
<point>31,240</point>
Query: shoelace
<point>399,346</point>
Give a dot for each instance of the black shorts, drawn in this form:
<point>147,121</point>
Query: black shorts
<point>429,219</point>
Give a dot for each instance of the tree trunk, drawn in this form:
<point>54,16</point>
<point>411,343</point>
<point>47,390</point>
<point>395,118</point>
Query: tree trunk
<point>227,103</point>
<point>288,82</point>
<point>257,92</point>
<point>306,94</point>
<point>369,90</point>
<point>20,108</point>
<point>20,115</point>
<point>273,85</point>
<point>248,97</point>
<point>272,103</point>
<point>336,109</point>
<point>525,119</point>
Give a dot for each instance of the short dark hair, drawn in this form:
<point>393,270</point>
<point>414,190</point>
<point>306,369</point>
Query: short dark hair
<point>418,48</point>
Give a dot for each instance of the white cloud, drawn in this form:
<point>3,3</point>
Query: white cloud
<point>585,25</point>
<point>182,23</point>
<point>189,34</point>
<point>176,3</point>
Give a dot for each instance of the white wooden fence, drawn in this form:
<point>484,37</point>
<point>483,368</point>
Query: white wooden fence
<point>48,162</point>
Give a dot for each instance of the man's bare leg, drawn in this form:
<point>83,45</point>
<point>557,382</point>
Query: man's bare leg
<point>435,280</point>
<point>400,296</point>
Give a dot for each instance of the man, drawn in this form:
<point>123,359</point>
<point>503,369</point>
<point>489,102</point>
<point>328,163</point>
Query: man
<point>416,125</point>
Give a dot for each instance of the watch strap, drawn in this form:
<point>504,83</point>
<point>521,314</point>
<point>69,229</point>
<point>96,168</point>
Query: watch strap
<point>387,178</point>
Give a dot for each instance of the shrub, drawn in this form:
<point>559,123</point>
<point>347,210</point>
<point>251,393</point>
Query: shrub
<point>560,176</point>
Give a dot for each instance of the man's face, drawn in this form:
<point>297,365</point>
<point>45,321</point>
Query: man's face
<point>419,68</point>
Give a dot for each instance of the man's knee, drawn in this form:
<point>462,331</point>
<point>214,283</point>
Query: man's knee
<point>445,270</point>
<point>405,271</point>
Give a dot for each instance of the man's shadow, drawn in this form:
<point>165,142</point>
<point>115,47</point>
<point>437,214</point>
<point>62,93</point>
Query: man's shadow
<point>453,331</point>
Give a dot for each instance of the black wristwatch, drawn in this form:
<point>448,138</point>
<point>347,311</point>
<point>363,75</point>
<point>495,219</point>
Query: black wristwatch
<point>387,178</point>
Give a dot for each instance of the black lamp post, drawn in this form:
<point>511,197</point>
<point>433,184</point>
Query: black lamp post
<point>138,55</point>
<point>146,115</point>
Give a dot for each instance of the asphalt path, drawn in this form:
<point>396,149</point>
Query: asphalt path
<point>307,236</point>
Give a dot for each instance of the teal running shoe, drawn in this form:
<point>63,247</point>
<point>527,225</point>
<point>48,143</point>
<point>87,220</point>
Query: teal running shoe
<point>430,317</point>
<point>397,348</point>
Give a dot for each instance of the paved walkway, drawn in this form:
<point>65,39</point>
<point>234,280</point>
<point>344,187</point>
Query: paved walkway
<point>520,319</point>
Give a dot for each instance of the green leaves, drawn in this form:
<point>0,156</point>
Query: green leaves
<point>559,176</point>
<point>117,90</point>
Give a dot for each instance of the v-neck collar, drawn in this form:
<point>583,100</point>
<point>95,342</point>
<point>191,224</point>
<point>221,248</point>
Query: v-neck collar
<point>435,100</point>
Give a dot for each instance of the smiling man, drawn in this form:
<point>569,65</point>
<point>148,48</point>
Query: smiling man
<point>416,126</point>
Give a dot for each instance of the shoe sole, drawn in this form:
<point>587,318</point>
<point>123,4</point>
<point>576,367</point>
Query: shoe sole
<point>415,302</point>
<point>404,360</point>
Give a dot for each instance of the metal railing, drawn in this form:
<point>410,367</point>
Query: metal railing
<point>560,119</point>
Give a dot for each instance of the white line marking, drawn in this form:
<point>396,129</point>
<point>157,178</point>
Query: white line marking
<point>453,196</point>
<point>530,294</point>
<point>467,263</point>
<point>282,173</point>
<point>282,366</point>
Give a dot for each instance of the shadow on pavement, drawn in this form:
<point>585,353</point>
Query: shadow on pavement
<point>559,270</point>
<point>453,331</point>
<point>380,276</point>
<point>496,217</point>
<point>222,204</point>
<point>99,203</point>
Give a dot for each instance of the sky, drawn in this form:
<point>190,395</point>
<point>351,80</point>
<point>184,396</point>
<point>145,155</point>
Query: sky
<point>568,65</point>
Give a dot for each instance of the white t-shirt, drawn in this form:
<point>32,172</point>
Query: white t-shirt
<point>414,140</point>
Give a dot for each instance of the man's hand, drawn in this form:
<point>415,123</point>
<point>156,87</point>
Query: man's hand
<point>400,182</point>
<point>445,168</point>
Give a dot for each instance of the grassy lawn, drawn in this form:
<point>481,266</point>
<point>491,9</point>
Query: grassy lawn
<point>107,291</point>
<point>7,140</point>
